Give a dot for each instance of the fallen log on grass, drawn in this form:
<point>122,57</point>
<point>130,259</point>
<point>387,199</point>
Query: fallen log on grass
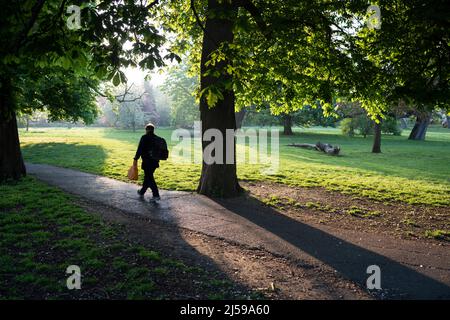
<point>319,146</point>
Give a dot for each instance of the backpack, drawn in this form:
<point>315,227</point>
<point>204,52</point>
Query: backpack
<point>159,150</point>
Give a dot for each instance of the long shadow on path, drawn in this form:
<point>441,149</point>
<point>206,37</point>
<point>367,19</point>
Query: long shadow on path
<point>248,221</point>
<point>118,202</point>
<point>350,260</point>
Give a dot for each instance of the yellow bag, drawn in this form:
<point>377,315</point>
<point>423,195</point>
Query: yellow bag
<point>133,172</point>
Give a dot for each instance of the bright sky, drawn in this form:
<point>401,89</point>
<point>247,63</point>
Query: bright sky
<point>136,75</point>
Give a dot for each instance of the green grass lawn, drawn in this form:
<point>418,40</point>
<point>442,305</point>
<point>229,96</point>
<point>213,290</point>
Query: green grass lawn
<point>42,232</point>
<point>415,172</point>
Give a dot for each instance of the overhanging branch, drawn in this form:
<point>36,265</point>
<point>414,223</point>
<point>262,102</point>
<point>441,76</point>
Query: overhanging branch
<point>255,13</point>
<point>120,97</point>
<point>34,15</point>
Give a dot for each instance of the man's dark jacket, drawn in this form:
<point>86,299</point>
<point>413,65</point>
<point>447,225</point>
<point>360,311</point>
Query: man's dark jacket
<point>146,144</point>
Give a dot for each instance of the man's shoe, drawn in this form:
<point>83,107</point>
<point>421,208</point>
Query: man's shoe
<point>154,199</point>
<point>140,194</point>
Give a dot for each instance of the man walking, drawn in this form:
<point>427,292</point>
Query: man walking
<point>149,165</point>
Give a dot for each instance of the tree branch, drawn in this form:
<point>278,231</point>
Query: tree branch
<point>120,97</point>
<point>127,91</point>
<point>152,4</point>
<point>34,15</point>
<point>197,17</point>
<point>255,13</point>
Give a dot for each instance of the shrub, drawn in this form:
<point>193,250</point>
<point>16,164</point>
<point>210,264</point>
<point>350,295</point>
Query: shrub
<point>358,124</point>
<point>348,127</point>
<point>364,126</point>
<point>390,125</point>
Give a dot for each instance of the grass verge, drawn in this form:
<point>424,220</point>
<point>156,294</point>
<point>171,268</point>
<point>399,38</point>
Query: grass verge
<point>42,232</point>
<point>414,172</point>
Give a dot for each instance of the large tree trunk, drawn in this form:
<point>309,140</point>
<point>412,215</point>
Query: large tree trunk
<point>287,123</point>
<point>11,161</point>
<point>218,179</point>
<point>420,127</point>
<point>377,137</point>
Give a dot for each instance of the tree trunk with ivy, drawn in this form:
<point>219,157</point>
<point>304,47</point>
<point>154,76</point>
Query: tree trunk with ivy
<point>218,179</point>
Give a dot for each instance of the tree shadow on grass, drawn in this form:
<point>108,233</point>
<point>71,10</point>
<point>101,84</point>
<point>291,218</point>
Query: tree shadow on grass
<point>350,260</point>
<point>118,202</point>
<point>89,158</point>
<point>134,137</point>
<point>395,160</point>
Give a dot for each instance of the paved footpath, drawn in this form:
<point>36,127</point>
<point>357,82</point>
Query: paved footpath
<point>409,269</point>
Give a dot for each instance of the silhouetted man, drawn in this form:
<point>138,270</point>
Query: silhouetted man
<point>149,165</point>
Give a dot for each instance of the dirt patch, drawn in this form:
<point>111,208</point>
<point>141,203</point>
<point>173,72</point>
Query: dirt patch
<point>256,273</point>
<point>275,277</point>
<point>334,209</point>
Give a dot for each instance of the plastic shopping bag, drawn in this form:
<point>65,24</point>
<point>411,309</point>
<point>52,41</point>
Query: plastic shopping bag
<point>133,172</point>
